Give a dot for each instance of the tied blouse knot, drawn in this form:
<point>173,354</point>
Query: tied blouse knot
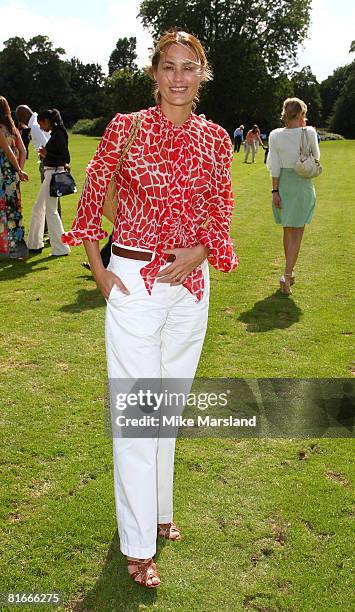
<point>174,190</point>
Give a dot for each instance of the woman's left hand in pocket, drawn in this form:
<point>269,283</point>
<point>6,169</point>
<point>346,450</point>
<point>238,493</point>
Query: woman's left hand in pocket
<point>186,260</point>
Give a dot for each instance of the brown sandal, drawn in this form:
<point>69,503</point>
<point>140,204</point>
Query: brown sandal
<point>169,531</point>
<point>285,284</point>
<point>145,570</point>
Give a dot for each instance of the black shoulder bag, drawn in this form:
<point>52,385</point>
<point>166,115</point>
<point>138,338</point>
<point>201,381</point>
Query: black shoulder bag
<point>62,184</point>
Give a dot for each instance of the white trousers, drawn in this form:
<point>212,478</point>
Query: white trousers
<point>47,207</point>
<point>249,147</point>
<point>149,336</point>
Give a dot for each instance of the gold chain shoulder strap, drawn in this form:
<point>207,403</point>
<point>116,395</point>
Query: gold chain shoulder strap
<point>130,140</point>
<point>109,208</point>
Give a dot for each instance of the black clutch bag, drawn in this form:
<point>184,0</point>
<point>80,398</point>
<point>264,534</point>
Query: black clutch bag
<point>62,184</point>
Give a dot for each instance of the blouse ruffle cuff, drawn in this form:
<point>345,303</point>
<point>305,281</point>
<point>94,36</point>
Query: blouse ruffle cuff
<point>221,255</point>
<point>75,237</point>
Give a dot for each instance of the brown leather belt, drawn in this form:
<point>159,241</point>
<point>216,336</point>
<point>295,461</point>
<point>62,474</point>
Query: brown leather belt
<point>141,255</point>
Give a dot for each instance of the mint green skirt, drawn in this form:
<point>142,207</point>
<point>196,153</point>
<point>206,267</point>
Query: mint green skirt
<point>298,199</point>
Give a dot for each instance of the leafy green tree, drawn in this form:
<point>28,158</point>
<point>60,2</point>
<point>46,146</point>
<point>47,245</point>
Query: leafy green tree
<point>49,79</point>
<point>306,87</point>
<point>338,98</point>
<point>34,73</point>
<point>128,91</point>
<point>87,90</point>
<point>15,73</point>
<point>243,91</point>
<point>249,45</point>
<point>124,55</point>
<point>330,90</point>
<point>274,28</point>
<point>342,120</point>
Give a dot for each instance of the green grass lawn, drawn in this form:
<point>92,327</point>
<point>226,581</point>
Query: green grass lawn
<point>265,526</point>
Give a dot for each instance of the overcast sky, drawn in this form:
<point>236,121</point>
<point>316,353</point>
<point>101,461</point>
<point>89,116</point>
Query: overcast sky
<point>89,29</point>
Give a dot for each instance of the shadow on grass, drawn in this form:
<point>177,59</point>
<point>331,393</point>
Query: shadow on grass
<point>277,311</point>
<point>85,300</point>
<point>15,268</point>
<point>114,589</point>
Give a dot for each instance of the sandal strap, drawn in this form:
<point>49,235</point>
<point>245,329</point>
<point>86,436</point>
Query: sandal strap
<point>168,530</point>
<point>140,564</point>
<point>145,570</point>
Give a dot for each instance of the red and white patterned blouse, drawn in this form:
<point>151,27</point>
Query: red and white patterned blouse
<point>174,190</point>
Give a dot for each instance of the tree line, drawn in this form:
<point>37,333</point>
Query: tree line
<point>252,48</point>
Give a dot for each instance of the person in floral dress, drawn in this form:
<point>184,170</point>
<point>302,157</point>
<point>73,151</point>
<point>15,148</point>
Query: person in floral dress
<point>175,203</point>
<point>12,161</point>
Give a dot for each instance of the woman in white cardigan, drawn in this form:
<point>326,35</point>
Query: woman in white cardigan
<point>293,197</point>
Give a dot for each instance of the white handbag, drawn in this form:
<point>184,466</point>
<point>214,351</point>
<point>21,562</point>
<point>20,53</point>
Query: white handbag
<point>307,165</point>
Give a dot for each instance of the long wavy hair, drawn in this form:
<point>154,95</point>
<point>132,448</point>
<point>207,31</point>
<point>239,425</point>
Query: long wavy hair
<point>5,115</point>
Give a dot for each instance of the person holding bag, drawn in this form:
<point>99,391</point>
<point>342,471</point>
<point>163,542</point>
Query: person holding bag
<point>293,194</point>
<point>175,200</point>
<point>56,157</point>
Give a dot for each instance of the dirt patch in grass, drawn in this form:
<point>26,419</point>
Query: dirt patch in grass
<point>336,477</point>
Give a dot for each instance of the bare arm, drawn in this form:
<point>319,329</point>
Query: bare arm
<point>104,278</point>
<point>276,200</point>
<point>273,163</point>
<point>22,151</point>
<point>4,145</point>
<point>275,182</point>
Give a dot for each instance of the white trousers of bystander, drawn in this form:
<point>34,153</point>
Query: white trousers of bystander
<point>46,207</point>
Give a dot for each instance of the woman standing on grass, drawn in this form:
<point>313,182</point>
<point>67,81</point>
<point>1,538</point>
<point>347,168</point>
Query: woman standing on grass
<point>252,141</point>
<point>55,156</point>
<point>175,204</point>
<point>12,161</point>
<point>293,197</point>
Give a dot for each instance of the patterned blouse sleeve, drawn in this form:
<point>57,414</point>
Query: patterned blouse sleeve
<point>215,236</point>
<point>87,223</point>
